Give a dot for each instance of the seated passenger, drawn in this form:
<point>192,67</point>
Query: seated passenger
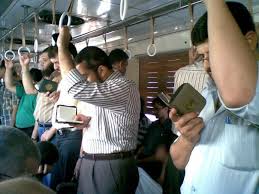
<point>23,185</point>
<point>157,142</point>
<point>19,155</point>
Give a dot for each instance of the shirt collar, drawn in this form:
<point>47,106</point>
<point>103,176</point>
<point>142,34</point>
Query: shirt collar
<point>114,75</point>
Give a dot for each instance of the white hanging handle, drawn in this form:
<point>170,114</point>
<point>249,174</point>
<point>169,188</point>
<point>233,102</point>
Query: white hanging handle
<point>64,14</point>
<point>23,48</point>
<point>152,45</point>
<point>36,45</point>
<point>126,49</point>
<point>149,48</point>
<point>9,55</point>
<point>123,9</point>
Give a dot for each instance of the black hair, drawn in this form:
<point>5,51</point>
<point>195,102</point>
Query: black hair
<point>93,57</point>
<point>117,55</point>
<point>49,152</point>
<point>52,51</point>
<point>159,102</point>
<point>240,13</point>
<point>36,74</point>
<point>2,66</point>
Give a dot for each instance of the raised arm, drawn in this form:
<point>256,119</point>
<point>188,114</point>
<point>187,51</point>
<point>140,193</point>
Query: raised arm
<point>9,76</point>
<point>232,61</point>
<point>26,76</point>
<point>65,58</point>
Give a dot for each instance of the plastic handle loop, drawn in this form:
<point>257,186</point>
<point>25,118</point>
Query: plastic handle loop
<point>151,46</point>
<point>123,9</point>
<point>7,55</point>
<point>1,57</point>
<point>36,45</point>
<point>128,52</point>
<point>62,19</point>
<point>23,48</point>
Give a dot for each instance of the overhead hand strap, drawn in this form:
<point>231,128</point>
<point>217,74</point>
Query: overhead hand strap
<point>250,7</point>
<point>67,13</point>
<point>123,9</point>
<point>87,41</point>
<point>191,18</point>
<point>105,42</point>
<point>23,47</point>
<point>10,55</point>
<point>53,7</point>
<point>152,45</point>
<point>126,46</point>
<point>36,31</point>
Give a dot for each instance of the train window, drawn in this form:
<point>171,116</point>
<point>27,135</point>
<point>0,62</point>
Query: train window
<point>157,74</point>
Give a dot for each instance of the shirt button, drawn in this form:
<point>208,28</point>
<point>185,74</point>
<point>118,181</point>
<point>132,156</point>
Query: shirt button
<point>193,189</point>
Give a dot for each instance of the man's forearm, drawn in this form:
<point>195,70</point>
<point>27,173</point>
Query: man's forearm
<point>65,60</point>
<point>180,152</point>
<point>27,81</point>
<point>9,80</point>
<point>232,61</point>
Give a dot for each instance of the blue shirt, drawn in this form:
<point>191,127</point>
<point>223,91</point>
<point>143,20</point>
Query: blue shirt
<point>226,159</point>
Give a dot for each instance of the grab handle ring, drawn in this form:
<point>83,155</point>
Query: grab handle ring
<point>64,14</point>
<point>149,50</point>
<point>25,48</point>
<point>9,52</point>
<point>123,9</point>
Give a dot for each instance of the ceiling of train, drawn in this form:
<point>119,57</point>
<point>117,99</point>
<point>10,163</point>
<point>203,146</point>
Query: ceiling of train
<point>102,17</point>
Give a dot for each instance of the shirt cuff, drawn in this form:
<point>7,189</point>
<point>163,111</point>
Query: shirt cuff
<point>73,77</point>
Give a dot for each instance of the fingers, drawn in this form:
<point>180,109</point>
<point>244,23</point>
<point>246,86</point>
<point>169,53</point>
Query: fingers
<point>45,170</point>
<point>40,169</point>
<point>183,120</point>
<point>173,115</point>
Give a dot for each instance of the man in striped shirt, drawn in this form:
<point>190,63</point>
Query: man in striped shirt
<point>108,165</point>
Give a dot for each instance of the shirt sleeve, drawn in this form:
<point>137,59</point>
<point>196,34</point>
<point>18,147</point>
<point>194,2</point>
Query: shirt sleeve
<point>20,91</point>
<point>249,112</point>
<point>112,94</point>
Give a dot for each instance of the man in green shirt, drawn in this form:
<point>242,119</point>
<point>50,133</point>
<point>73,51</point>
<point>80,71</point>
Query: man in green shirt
<point>24,117</point>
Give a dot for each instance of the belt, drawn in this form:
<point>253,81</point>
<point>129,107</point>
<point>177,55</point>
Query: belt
<point>112,156</point>
<point>45,125</point>
<point>63,131</point>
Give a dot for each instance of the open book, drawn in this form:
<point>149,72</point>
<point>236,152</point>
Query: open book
<point>185,100</point>
<point>66,114</point>
<point>45,85</point>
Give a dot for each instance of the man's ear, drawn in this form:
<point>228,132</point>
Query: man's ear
<point>251,38</point>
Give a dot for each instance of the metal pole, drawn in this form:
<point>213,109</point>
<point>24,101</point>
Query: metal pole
<point>143,17</point>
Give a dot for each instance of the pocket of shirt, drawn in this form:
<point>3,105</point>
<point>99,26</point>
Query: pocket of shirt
<point>240,147</point>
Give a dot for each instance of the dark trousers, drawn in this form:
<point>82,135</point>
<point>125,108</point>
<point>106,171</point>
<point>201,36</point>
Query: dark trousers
<point>118,176</point>
<point>68,145</point>
<point>28,130</point>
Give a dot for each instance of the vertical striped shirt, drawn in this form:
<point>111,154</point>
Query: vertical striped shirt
<point>114,106</point>
<point>192,74</point>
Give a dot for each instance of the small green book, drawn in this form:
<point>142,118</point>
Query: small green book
<point>45,85</point>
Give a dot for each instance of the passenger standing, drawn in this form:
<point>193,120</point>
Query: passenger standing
<point>219,151</point>
<point>108,164</point>
<point>24,117</point>
<point>9,101</point>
